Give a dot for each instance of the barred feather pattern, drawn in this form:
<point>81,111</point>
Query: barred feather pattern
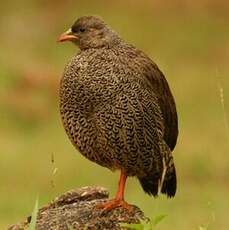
<point>114,114</point>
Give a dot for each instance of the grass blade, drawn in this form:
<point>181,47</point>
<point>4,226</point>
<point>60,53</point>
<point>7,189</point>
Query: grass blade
<point>158,219</point>
<point>32,225</point>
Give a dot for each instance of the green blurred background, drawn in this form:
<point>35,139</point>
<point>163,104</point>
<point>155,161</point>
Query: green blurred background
<point>189,40</point>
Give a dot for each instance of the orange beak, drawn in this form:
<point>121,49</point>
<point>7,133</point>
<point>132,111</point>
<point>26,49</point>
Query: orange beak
<point>67,36</point>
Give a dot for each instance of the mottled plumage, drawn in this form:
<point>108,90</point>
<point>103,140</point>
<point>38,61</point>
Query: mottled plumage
<point>117,108</point>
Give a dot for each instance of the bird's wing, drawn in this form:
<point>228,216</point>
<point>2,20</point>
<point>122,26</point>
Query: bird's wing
<point>166,101</point>
<point>131,129</point>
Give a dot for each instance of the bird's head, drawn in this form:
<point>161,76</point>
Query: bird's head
<point>90,32</point>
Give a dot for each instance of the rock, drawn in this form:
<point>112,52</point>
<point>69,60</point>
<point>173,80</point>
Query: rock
<point>76,209</point>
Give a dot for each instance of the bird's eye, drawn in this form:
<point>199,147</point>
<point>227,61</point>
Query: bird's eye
<point>82,30</point>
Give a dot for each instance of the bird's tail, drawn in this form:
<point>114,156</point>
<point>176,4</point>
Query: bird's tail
<point>164,182</point>
<point>169,185</point>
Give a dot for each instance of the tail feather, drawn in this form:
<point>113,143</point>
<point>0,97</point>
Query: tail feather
<point>151,183</point>
<point>169,185</point>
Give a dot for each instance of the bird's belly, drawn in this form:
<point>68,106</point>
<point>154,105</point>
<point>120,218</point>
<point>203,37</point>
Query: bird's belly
<point>84,137</point>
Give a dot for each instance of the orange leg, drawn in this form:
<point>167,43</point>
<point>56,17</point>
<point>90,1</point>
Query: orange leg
<point>118,201</point>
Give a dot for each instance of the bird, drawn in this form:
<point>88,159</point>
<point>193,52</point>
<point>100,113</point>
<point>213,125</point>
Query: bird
<point>118,110</point>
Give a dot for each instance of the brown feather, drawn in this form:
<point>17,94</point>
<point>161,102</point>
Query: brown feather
<point>117,108</point>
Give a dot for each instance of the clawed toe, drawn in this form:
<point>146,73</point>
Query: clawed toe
<point>115,203</point>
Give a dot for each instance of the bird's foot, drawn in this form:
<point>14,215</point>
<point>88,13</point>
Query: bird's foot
<point>115,203</point>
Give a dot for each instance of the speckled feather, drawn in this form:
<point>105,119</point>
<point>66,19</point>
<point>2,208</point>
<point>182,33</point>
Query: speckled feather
<point>118,111</point>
